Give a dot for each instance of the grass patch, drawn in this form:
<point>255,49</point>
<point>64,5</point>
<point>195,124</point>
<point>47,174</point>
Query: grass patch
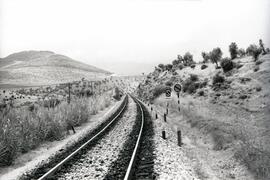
<point>22,130</point>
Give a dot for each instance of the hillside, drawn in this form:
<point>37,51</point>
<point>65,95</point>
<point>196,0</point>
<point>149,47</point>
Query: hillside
<point>225,125</point>
<point>44,67</point>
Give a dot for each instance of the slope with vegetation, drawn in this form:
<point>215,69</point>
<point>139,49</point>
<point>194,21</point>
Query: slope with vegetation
<point>43,68</point>
<point>227,102</point>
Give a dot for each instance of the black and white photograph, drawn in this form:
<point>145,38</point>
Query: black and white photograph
<point>134,90</point>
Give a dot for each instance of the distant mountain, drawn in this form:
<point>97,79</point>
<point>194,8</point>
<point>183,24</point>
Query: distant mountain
<point>43,68</point>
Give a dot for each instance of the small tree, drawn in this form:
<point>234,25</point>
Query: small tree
<point>180,58</point>
<point>188,59</point>
<point>254,51</point>
<point>168,67</point>
<point>233,50</point>
<point>175,62</point>
<point>262,47</point>
<point>241,52</point>
<point>226,64</point>
<point>205,57</point>
<point>215,55</point>
<point>161,66</point>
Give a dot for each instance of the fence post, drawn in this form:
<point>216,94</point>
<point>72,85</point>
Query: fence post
<point>164,117</point>
<point>156,116</point>
<point>163,134</point>
<point>179,138</point>
<point>69,87</point>
<point>167,111</point>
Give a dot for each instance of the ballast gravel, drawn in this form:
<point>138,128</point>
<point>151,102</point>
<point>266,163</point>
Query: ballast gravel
<point>95,163</point>
<point>171,162</point>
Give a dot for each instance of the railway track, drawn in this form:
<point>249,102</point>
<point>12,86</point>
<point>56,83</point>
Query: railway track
<point>120,149</point>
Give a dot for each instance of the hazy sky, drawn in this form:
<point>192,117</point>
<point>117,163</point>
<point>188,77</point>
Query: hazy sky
<point>129,36</point>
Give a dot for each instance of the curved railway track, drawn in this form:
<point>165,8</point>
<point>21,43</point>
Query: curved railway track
<point>135,159</point>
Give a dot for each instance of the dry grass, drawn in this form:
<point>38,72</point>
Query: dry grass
<point>236,135</point>
<point>22,130</point>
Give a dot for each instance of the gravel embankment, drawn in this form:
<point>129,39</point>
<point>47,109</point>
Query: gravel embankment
<point>170,161</point>
<point>95,163</point>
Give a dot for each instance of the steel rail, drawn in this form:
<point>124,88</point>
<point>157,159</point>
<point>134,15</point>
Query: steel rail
<point>56,167</point>
<point>129,171</point>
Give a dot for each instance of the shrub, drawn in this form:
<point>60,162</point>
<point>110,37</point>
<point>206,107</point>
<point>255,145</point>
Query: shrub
<point>193,66</point>
<point>258,88</point>
<point>258,62</point>
<point>161,66</point>
<point>180,66</point>
<point>194,77</point>
<point>218,79</point>
<point>169,83</point>
<point>238,65</point>
<point>243,96</point>
<point>226,64</point>
<point>204,83</point>
<point>204,66</point>
<point>254,51</point>
<point>168,67</point>
<point>190,85</point>
<point>233,50</point>
<point>257,68</point>
<point>176,62</point>
<point>201,93</point>
<point>241,52</point>
<point>158,90</point>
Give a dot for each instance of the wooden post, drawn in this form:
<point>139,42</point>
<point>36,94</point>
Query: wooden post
<point>167,111</point>
<point>178,101</point>
<point>156,116</point>
<point>73,129</point>
<point>163,135</point>
<point>179,138</point>
<point>179,108</point>
<point>164,117</point>
<point>151,108</point>
<point>69,87</point>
